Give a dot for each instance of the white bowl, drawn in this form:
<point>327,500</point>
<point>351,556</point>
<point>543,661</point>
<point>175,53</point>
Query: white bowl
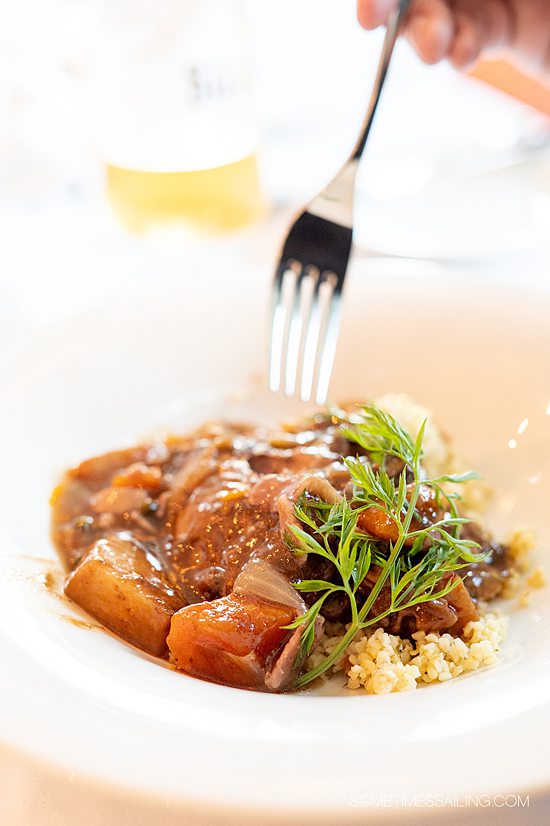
<point>133,731</point>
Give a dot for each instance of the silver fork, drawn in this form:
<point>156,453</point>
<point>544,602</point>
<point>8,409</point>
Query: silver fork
<point>307,288</point>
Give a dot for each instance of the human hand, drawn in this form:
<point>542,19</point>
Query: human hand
<point>462,30</point>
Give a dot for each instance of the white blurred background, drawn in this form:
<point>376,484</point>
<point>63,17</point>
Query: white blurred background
<point>454,172</point>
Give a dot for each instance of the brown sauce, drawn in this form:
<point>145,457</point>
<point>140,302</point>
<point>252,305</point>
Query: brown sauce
<point>146,531</point>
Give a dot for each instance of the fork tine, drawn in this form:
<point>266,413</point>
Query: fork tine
<point>276,337</point>
<point>310,346</point>
<point>299,321</point>
<point>329,339</point>
<point>279,323</point>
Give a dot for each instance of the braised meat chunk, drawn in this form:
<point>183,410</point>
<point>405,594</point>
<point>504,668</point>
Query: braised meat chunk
<point>226,550</point>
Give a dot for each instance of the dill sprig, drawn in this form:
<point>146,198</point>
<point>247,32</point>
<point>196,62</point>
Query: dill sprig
<point>416,565</point>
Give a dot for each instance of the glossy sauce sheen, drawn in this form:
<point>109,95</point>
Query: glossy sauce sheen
<point>154,537</point>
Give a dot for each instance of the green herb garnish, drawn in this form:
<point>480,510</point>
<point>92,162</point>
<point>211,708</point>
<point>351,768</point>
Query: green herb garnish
<point>413,565</point>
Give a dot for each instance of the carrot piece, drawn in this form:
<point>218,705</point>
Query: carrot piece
<point>230,639</point>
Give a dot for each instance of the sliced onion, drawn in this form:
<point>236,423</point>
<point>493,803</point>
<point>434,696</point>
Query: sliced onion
<point>319,486</point>
<point>287,663</point>
<point>193,473</point>
<point>260,579</point>
<point>119,500</point>
<point>313,484</point>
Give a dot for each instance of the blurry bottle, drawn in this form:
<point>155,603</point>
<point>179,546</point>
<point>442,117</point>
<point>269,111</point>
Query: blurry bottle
<point>176,125</point>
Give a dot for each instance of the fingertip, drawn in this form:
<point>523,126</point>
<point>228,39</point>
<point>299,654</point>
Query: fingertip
<point>431,37</point>
<point>373,13</point>
<point>466,48</point>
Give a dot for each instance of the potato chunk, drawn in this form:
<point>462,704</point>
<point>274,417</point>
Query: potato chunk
<point>123,587</point>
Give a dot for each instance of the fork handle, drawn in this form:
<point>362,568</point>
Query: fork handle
<point>335,202</point>
<point>394,24</point>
